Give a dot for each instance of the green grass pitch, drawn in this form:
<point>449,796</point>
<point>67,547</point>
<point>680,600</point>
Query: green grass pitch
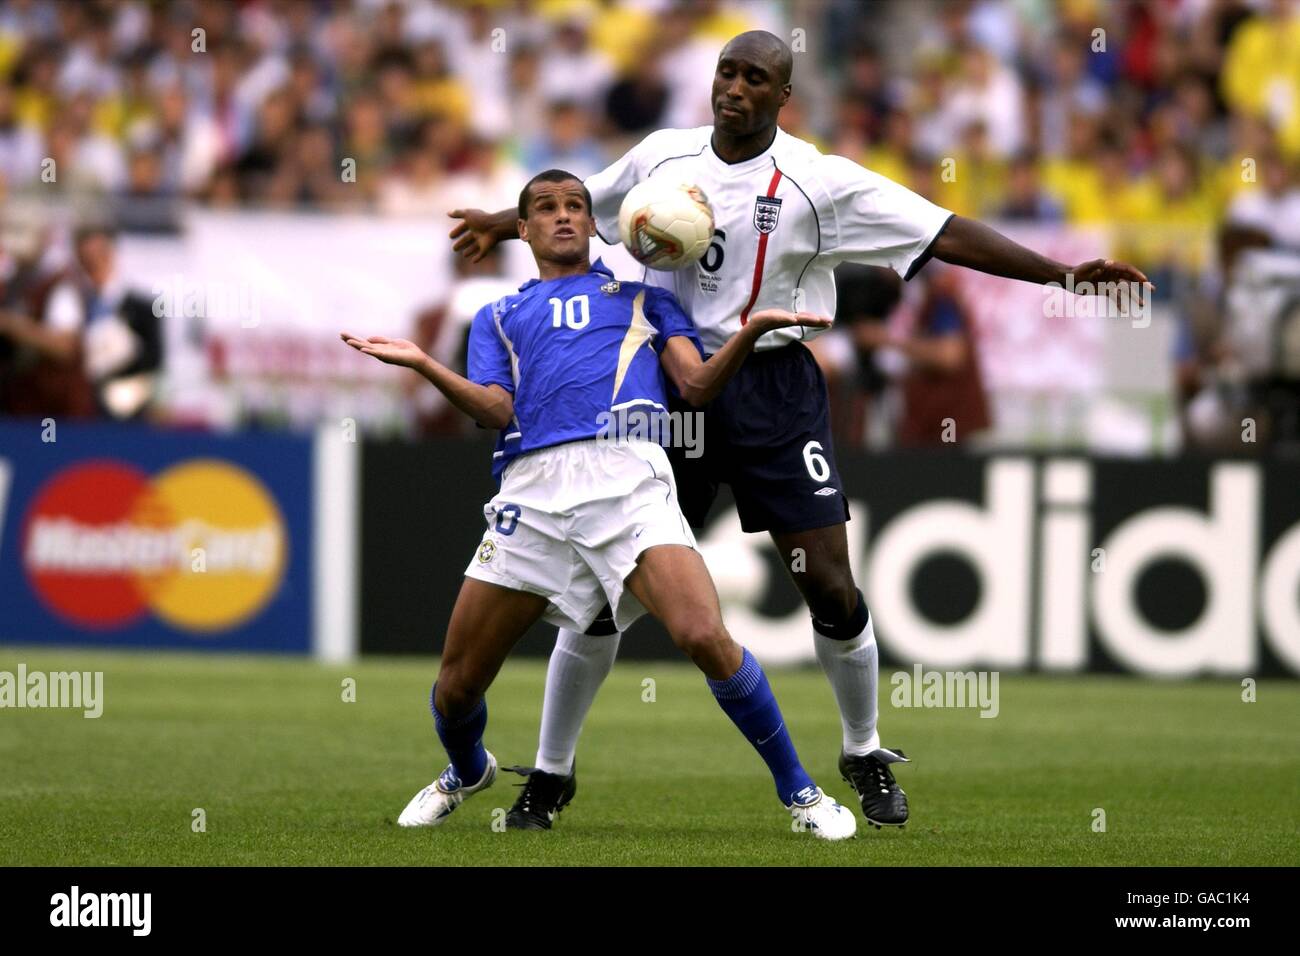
<point>288,773</point>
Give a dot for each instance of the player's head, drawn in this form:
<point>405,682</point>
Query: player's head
<point>555,217</point>
<point>93,243</point>
<point>753,78</point>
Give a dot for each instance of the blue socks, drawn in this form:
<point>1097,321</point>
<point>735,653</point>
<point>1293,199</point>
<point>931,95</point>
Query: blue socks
<point>748,700</point>
<point>745,697</point>
<point>463,740</point>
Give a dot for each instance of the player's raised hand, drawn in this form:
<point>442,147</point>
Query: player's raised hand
<point>768,319</point>
<point>474,236</point>
<point>1107,270</point>
<point>390,351</point>
<point>1096,271</point>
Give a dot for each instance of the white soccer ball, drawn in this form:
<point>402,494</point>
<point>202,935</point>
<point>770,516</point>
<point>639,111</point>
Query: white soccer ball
<point>666,224</point>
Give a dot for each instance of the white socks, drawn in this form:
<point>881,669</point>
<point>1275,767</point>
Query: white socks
<point>578,666</point>
<point>581,662</point>
<point>853,670</point>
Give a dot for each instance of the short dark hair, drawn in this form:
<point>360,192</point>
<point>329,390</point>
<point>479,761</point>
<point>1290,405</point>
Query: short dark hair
<point>550,176</point>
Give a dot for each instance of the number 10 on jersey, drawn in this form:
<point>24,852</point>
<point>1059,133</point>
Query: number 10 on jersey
<point>572,318</point>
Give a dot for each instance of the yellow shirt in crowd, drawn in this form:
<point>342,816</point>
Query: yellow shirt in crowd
<point>1261,75</point>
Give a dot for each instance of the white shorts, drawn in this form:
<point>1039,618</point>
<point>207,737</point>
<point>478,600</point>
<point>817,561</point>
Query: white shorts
<point>570,522</point>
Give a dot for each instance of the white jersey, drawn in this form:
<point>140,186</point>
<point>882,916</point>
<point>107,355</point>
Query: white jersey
<point>782,221</point>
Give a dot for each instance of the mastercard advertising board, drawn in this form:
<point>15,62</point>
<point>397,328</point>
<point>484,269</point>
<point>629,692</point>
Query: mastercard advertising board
<point>120,535</point>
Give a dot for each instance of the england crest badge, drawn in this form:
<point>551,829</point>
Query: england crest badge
<point>766,211</point>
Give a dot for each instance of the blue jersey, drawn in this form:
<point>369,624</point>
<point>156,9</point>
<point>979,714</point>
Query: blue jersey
<point>572,351</point>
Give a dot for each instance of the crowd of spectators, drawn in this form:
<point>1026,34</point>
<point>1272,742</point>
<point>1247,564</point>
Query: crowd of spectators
<point>1170,121</point>
<point>1082,111</point>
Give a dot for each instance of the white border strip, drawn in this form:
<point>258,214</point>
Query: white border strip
<point>335,519</point>
<point>6,479</point>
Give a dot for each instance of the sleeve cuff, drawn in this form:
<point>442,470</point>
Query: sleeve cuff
<point>928,252</point>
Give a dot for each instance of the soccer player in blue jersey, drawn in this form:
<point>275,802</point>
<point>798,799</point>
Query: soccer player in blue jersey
<point>587,515</point>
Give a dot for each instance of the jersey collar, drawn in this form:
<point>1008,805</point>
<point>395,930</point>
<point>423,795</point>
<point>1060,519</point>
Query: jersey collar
<point>597,266</point>
<point>747,165</point>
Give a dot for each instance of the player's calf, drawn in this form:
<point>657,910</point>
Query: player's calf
<point>747,698</point>
<point>675,586</point>
<point>460,725</point>
<point>485,623</point>
<point>825,579</point>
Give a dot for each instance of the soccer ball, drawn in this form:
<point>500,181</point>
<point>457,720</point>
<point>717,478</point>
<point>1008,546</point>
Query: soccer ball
<point>666,224</point>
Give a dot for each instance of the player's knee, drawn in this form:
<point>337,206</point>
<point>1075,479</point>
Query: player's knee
<point>456,693</point>
<point>700,639</point>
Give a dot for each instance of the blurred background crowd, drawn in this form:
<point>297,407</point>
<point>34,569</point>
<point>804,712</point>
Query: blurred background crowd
<point>1164,132</point>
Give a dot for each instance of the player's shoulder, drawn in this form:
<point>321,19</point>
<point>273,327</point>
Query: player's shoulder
<point>634,287</point>
<point>651,291</point>
<point>667,143</point>
<point>530,290</point>
<point>789,148</point>
<point>793,153</point>
<point>496,309</point>
<point>838,178</point>
<point>655,296</point>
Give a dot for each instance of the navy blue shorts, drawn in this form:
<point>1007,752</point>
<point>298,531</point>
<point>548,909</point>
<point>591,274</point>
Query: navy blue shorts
<point>768,436</point>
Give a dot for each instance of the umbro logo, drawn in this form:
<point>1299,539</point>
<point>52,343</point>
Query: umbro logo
<point>823,492</point>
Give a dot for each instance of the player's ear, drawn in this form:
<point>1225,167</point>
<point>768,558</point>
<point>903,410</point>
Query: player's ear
<point>522,226</point>
<point>785,95</point>
<point>591,228</point>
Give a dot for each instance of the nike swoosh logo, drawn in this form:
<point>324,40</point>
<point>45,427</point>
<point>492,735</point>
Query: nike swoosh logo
<point>771,735</point>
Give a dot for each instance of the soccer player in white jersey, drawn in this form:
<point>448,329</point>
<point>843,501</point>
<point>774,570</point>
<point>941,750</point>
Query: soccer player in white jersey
<point>785,216</point>
<point>587,516</point>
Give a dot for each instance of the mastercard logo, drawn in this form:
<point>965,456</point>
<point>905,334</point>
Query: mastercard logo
<point>202,545</point>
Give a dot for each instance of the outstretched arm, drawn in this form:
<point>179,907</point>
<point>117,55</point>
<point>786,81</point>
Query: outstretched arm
<point>478,231</point>
<point>489,405</point>
<point>966,242</point>
<point>700,381</point>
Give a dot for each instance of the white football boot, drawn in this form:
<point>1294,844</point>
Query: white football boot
<point>434,803</point>
<point>822,815</point>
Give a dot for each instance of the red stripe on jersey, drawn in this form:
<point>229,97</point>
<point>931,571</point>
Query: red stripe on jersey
<point>758,261</point>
